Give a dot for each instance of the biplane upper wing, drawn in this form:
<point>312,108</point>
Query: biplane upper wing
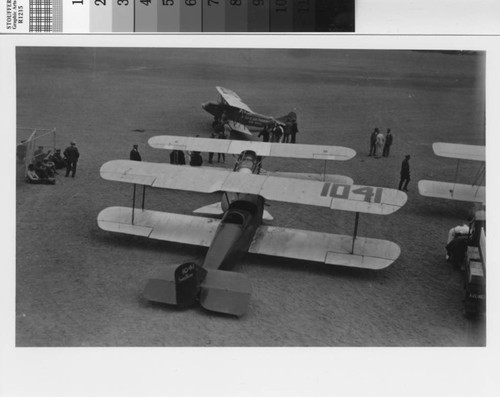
<point>459,151</point>
<point>319,152</point>
<point>374,200</point>
<point>232,99</point>
<point>452,191</point>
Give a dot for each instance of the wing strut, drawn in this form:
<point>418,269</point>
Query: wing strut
<point>455,179</point>
<point>133,200</point>
<point>355,231</point>
<point>133,204</point>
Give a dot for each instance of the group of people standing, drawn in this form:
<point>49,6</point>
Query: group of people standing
<point>276,132</point>
<point>177,157</point>
<point>380,144</point>
<point>220,130</point>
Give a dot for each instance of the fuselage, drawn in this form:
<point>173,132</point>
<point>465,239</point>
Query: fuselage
<point>241,219</point>
<point>236,114</point>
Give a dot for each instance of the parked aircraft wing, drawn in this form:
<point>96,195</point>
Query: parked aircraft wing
<point>326,248</point>
<point>452,191</point>
<point>157,225</point>
<point>239,128</point>
<point>232,99</point>
<point>313,177</point>
<point>318,152</point>
<point>346,197</point>
<point>459,151</point>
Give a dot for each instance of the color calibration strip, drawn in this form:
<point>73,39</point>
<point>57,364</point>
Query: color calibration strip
<point>230,16</point>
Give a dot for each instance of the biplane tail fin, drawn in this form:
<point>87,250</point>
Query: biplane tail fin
<point>288,118</point>
<point>216,290</point>
<point>178,285</point>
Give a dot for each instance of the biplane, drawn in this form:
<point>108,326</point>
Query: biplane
<point>241,228</point>
<point>474,191</point>
<point>239,116</point>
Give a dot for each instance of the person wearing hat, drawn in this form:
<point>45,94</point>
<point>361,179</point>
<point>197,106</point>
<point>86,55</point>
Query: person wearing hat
<point>39,155</point>
<point>72,155</point>
<point>373,142</point>
<point>388,143</point>
<point>405,174</point>
<point>58,160</point>
<point>134,154</point>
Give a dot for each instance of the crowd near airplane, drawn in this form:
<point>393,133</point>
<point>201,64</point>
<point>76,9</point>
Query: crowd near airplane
<point>239,116</point>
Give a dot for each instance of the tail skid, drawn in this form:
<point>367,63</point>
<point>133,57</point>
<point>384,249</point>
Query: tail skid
<point>216,290</point>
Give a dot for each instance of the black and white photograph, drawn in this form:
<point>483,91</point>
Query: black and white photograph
<point>250,197</point>
<point>242,200</point>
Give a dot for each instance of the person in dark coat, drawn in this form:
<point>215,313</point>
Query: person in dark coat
<point>295,131</point>
<point>456,250</point>
<point>388,143</point>
<point>134,154</point>
<point>373,142</point>
<point>264,133</point>
<point>58,160</point>
<point>72,155</point>
<point>405,174</point>
<point>177,157</point>
<point>196,159</point>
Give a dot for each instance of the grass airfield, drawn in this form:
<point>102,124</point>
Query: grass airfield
<point>77,285</point>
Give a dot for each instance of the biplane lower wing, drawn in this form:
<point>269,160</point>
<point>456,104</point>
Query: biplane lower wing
<point>157,225</point>
<point>274,241</point>
<point>299,151</point>
<point>459,151</point>
<point>346,197</point>
<point>452,191</point>
<point>326,248</point>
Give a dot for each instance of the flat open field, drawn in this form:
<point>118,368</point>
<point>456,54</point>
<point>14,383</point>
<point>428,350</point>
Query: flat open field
<point>80,286</point>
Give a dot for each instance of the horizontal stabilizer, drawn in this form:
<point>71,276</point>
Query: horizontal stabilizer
<point>215,209</point>
<point>268,149</point>
<point>225,292</point>
<point>326,248</point>
<point>157,225</point>
<point>452,191</point>
<point>459,151</point>
<point>346,197</point>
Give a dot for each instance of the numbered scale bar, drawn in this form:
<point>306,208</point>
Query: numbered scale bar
<point>105,16</point>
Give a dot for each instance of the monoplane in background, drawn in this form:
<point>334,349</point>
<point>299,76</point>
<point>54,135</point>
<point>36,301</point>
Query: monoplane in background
<point>239,116</point>
<point>474,191</point>
<point>241,228</point>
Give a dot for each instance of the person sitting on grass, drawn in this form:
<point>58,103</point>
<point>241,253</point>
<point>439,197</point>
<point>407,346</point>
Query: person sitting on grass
<point>33,177</point>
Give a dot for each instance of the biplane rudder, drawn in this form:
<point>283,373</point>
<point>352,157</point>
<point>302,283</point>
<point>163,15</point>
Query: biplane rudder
<point>179,285</point>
